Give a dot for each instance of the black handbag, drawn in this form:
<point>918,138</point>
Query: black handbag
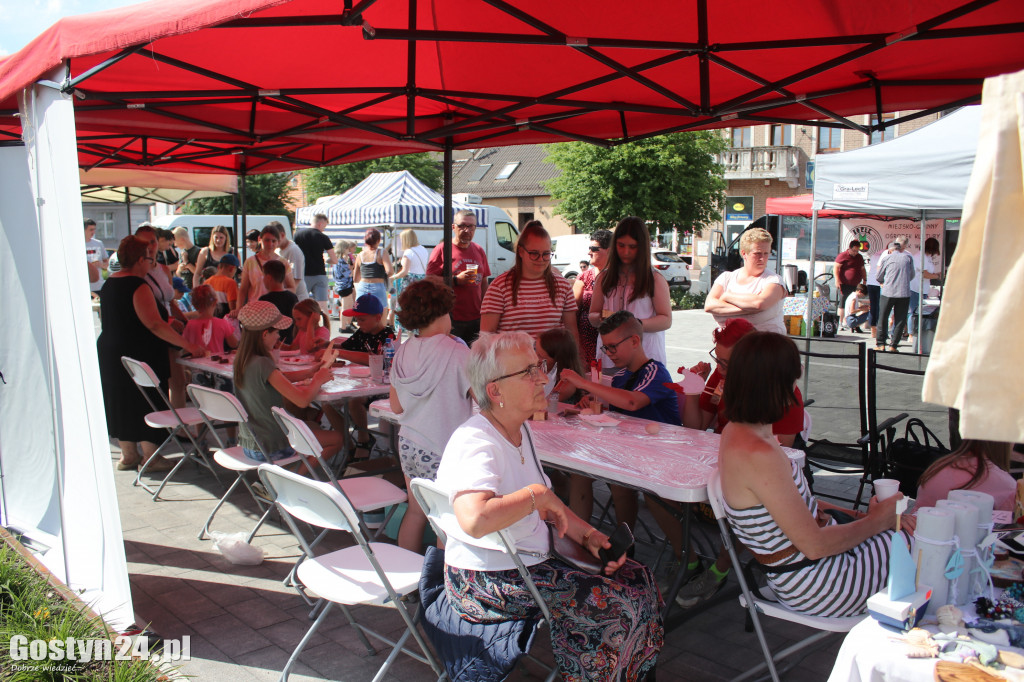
<point>906,458</point>
<point>573,553</point>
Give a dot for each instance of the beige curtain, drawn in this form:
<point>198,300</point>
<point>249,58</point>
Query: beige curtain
<point>977,363</point>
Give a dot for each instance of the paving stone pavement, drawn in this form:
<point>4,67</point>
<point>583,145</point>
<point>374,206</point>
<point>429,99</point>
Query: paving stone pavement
<point>244,623</point>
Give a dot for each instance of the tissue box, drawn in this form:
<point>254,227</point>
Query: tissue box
<point>902,614</point>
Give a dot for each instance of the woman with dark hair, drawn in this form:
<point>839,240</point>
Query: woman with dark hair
<point>429,371</point>
<point>814,564</point>
<point>372,269</point>
<point>630,283</point>
<point>976,465</point>
<point>530,297</point>
<point>583,292</point>
<point>135,326</point>
<point>253,287</point>
<point>929,264</point>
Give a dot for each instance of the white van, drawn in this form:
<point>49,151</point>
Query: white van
<point>569,250</point>
<point>200,226</point>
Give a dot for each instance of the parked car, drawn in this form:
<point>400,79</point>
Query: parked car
<point>569,250</point>
<point>672,267</point>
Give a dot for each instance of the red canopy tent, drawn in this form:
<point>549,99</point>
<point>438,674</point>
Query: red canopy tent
<point>254,86</point>
<point>802,205</point>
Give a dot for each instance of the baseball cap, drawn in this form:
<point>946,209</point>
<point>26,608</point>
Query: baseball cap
<point>260,315</point>
<point>229,259</point>
<point>179,285</point>
<point>367,304</point>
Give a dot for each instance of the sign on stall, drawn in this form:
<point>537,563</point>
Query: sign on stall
<point>850,190</point>
<point>789,248</point>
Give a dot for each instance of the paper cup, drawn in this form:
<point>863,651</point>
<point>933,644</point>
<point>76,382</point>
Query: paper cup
<point>886,488</point>
<point>377,368</point>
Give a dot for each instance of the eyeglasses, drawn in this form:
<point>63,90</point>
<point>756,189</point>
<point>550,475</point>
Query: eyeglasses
<point>724,364</point>
<point>595,249</point>
<point>465,227</point>
<point>534,372</point>
<point>610,347</point>
<point>539,255</point>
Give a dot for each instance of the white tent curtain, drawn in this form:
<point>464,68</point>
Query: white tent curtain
<point>58,485</point>
<point>976,360</point>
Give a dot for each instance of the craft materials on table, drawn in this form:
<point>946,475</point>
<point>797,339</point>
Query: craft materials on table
<point>962,561</point>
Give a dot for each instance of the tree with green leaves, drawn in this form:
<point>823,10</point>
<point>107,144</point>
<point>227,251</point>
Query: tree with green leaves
<point>264,195</point>
<point>321,182</point>
<point>670,180</point>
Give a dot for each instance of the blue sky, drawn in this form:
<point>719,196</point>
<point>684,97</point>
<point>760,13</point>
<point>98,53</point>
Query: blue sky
<point>23,20</point>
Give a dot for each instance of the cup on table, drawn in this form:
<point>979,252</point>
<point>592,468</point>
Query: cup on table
<point>377,368</point>
<point>886,488</point>
<point>472,268</point>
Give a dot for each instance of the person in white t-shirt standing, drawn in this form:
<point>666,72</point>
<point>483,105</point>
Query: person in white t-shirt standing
<point>95,252</point>
<point>751,292</point>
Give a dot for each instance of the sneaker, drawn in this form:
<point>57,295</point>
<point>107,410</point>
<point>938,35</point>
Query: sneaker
<point>701,588</point>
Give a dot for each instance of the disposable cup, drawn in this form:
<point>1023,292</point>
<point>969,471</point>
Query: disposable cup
<point>886,488</point>
<point>377,368</point>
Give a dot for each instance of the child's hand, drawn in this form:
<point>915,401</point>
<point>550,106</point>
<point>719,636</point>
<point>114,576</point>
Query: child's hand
<point>322,376</point>
<point>328,358</point>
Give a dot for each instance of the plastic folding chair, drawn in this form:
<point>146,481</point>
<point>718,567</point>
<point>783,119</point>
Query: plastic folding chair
<point>370,573</point>
<point>436,505</point>
<point>177,423</point>
<point>757,604</point>
<point>219,406</point>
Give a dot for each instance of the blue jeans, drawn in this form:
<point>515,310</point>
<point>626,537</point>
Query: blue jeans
<point>912,322</point>
<point>317,287</point>
<point>286,451</point>
<point>378,289</point>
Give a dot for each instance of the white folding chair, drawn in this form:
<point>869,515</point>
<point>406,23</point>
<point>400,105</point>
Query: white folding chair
<point>370,573</point>
<point>756,604</point>
<point>435,503</point>
<point>219,406</point>
<point>177,423</point>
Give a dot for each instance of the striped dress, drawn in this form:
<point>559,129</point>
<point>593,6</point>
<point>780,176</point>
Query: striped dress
<point>836,586</point>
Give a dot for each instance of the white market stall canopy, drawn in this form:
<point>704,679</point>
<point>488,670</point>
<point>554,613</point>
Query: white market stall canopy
<point>923,172</point>
<point>152,186</point>
<point>398,200</point>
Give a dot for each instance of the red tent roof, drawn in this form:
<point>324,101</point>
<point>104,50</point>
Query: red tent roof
<point>270,85</point>
<point>801,205</point>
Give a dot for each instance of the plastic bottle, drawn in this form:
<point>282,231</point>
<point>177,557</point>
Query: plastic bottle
<point>389,357</point>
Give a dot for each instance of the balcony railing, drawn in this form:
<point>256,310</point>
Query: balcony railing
<point>762,163</point>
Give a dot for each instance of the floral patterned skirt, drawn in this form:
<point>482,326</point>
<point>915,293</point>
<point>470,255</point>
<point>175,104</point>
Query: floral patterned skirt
<point>604,628</point>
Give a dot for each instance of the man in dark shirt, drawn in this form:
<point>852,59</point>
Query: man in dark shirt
<point>314,243</point>
<point>849,271</point>
<point>284,300</point>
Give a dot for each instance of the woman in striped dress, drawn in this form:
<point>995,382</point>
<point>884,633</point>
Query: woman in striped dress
<point>815,564</point>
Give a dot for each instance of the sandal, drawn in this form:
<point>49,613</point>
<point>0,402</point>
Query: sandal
<point>160,464</point>
<point>128,466</point>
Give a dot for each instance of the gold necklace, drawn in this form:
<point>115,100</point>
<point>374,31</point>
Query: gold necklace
<point>504,432</point>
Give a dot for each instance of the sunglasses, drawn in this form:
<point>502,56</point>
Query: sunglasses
<point>595,249</point>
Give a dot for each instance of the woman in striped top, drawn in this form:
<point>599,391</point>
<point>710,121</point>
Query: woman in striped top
<point>530,297</point>
<point>815,564</point>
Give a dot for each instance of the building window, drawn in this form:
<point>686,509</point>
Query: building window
<point>741,137</point>
<point>830,139</point>
<point>886,133</point>
<point>480,172</point>
<point>105,228</point>
<point>782,135</point>
<point>507,171</point>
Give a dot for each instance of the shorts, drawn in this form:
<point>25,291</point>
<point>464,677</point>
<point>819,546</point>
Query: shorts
<point>416,461</point>
<point>317,286</point>
<point>378,289</point>
<point>283,453</point>
<point>214,381</point>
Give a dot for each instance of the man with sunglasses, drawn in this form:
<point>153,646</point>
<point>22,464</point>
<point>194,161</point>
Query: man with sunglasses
<point>469,275</point>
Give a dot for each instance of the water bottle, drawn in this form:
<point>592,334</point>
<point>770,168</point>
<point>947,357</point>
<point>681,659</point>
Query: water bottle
<point>389,357</point>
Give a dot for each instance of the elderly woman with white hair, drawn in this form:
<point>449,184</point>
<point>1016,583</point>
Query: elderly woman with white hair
<point>606,626</point>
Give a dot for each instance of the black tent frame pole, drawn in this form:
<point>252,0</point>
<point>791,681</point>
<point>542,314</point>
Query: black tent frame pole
<point>448,217</point>
<point>241,203</point>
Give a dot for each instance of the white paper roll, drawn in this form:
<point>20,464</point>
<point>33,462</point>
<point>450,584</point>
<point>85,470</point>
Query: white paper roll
<point>967,531</point>
<point>984,502</point>
<point>932,548</point>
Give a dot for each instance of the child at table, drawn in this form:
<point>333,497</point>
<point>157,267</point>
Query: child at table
<point>559,350</point>
<point>370,337</point>
<point>273,279</point>
<point>260,385</point>
<point>429,370</point>
<point>312,327</point>
<point>213,334</point>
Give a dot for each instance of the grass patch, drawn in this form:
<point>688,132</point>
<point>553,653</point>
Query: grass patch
<point>688,300</point>
<point>31,607</point>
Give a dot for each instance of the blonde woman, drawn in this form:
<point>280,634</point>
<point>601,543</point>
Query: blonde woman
<point>220,246</point>
<point>412,267</point>
<point>751,292</point>
<point>341,273</point>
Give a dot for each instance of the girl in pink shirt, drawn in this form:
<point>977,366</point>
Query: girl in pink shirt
<point>312,327</point>
<point>976,465</point>
<point>206,330</point>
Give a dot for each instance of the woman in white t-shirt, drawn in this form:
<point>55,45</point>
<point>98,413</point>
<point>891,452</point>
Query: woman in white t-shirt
<point>630,283</point>
<point>412,267</point>
<point>751,292</point>
<point>604,627</point>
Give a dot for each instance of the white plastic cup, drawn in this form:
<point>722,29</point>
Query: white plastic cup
<point>472,268</point>
<point>377,368</point>
<point>886,488</point>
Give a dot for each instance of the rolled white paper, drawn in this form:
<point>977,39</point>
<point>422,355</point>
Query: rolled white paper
<point>934,525</point>
<point>984,502</point>
<point>967,531</point>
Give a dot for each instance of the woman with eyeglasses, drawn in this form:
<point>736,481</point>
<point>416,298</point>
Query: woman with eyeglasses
<point>583,292</point>
<point>630,283</point>
<point>752,292</point>
<point>530,297</point>
<point>604,627</point>
<point>134,326</point>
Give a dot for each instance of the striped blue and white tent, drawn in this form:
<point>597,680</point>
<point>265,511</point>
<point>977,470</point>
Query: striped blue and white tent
<point>396,200</point>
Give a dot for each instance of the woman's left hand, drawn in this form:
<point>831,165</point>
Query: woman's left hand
<point>598,541</point>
